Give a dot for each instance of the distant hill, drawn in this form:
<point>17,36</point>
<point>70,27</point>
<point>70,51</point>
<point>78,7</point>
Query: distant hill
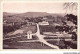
<point>34,14</point>
<point>22,16</point>
<point>30,14</point>
<point>6,14</point>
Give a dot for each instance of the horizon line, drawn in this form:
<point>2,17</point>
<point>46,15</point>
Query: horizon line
<point>32,11</point>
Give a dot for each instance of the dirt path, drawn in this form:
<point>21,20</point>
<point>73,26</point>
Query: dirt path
<point>41,38</point>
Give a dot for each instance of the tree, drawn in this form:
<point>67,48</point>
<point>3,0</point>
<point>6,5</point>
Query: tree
<point>36,20</point>
<point>70,5</point>
<point>72,18</point>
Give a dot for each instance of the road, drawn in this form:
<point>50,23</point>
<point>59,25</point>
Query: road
<point>41,38</point>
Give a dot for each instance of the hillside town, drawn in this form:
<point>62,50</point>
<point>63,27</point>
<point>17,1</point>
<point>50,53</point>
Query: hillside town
<point>47,30</point>
<point>40,25</point>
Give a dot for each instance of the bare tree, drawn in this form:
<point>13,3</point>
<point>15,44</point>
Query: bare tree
<point>71,6</point>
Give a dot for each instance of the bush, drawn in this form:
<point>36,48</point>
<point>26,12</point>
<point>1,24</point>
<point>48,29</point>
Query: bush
<point>7,29</point>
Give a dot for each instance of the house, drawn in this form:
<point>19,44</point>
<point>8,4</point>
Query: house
<point>44,19</point>
<point>49,20</point>
<point>30,23</point>
<point>43,23</point>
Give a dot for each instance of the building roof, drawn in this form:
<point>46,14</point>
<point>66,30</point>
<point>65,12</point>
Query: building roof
<point>43,23</point>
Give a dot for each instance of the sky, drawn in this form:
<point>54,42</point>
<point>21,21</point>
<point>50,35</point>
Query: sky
<point>33,7</point>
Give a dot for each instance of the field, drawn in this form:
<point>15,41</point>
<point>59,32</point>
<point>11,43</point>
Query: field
<point>15,31</point>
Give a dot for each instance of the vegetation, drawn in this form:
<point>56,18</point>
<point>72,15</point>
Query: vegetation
<point>70,6</point>
<point>51,28</point>
<point>72,18</point>
<point>7,29</point>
